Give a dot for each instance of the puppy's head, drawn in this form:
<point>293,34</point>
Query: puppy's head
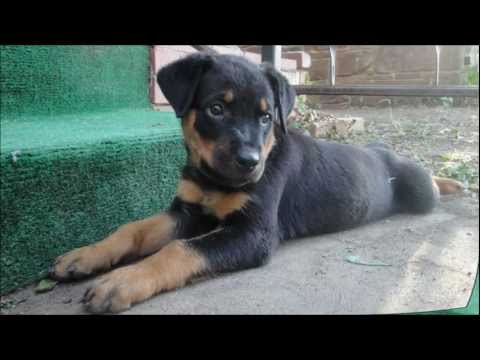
<point>229,108</point>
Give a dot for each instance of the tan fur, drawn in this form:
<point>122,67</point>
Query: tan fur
<point>224,204</point>
<point>200,149</point>
<point>167,269</point>
<point>269,143</point>
<point>446,186</point>
<point>189,191</point>
<point>228,96</point>
<point>263,104</point>
<point>133,240</point>
<point>175,264</point>
<point>218,203</point>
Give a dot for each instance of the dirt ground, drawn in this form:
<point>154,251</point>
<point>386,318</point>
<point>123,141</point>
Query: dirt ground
<point>444,140</point>
<point>433,258</point>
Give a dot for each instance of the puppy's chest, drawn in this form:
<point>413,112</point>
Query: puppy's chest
<point>216,203</point>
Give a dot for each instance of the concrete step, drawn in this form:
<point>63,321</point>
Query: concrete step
<point>433,263</point>
<point>69,180</point>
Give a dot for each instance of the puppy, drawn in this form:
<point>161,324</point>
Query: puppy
<point>248,185</point>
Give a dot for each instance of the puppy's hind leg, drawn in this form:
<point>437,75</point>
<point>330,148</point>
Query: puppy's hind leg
<point>414,190</point>
<point>418,192</point>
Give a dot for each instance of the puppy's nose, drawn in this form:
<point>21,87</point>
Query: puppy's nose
<point>248,159</point>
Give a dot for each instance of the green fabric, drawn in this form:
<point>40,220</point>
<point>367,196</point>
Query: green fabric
<point>52,80</point>
<point>78,177</point>
<point>81,151</point>
<point>41,133</point>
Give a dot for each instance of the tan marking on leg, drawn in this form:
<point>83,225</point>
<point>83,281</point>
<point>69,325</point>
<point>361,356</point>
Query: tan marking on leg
<point>199,148</point>
<point>263,104</point>
<point>154,233</point>
<point>132,240</point>
<point>218,203</point>
<point>228,96</point>
<point>167,269</point>
<point>447,186</point>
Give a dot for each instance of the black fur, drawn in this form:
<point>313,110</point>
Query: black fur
<point>284,94</point>
<point>308,186</point>
<point>179,81</point>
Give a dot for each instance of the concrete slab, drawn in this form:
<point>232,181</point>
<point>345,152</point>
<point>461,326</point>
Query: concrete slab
<point>433,261</point>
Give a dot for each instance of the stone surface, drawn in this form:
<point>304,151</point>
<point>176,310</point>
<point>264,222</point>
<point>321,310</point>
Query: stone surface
<point>394,59</point>
<point>302,58</point>
<point>383,65</point>
<point>433,261</point>
<point>162,55</point>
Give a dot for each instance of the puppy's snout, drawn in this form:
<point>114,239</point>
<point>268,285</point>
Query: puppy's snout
<point>247,159</point>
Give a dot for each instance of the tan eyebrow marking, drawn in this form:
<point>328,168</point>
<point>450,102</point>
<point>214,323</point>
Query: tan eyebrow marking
<point>228,96</point>
<point>263,104</point>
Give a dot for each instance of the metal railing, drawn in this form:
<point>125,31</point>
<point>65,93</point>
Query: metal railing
<point>373,90</point>
<point>273,54</point>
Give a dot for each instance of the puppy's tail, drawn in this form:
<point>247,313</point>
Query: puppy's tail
<point>446,186</point>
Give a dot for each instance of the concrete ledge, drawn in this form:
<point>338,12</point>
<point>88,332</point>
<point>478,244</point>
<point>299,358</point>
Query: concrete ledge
<point>433,258</point>
<point>162,55</point>
<point>302,58</point>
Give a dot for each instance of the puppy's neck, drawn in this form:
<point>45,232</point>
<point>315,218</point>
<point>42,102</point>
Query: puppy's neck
<point>212,182</point>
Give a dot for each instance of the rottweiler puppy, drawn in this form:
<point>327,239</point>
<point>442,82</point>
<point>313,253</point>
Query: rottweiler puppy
<point>247,186</point>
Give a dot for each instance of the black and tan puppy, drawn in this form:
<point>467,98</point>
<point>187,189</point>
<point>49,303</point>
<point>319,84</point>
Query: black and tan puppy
<point>248,185</point>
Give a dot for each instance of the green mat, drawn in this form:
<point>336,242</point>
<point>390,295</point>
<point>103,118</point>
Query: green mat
<point>81,151</point>
<point>53,80</point>
<point>72,179</point>
<point>37,134</point>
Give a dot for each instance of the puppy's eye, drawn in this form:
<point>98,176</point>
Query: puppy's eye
<point>216,110</point>
<point>265,119</point>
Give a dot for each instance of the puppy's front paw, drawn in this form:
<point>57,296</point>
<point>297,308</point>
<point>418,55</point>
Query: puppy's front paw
<point>118,290</point>
<point>78,263</point>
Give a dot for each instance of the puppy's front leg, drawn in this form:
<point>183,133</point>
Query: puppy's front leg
<point>222,250</point>
<point>131,241</point>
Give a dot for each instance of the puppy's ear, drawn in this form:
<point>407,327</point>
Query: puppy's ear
<point>283,92</point>
<point>179,80</point>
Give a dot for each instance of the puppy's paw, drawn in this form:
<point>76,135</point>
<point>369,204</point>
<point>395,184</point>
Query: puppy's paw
<point>118,291</point>
<point>447,186</point>
<point>78,263</point>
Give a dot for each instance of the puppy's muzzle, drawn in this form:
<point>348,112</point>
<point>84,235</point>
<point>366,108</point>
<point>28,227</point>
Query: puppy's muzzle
<point>247,159</point>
